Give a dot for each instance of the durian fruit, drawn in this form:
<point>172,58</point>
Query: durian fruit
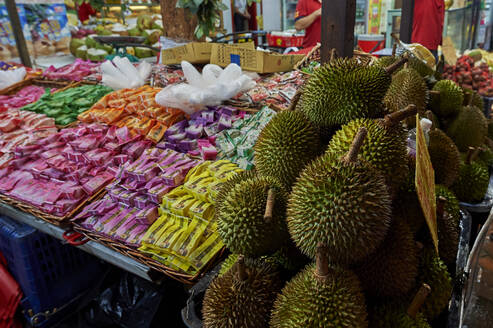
<point>321,296</point>
<point>344,90</point>
<point>448,233</point>
<point>407,87</point>
<point>469,128</point>
<point>490,128</point>
<point>251,216</point>
<point>286,144</point>
<point>447,99</point>
<point>473,98</point>
<point>433,272</point>
<point>391,314</point>
<point>452,206</point>
<point>230,183</point>
<point>407,207</point>
<point>391,270</point>
<point>485,156</point>
<point>472,183</point>
<point>342,202</point>
<point>418,65</point>
<point>241,297</point>
<point>384,146</point>
<point>444,156</point>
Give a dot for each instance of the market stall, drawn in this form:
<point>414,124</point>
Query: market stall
<point>330,187</point>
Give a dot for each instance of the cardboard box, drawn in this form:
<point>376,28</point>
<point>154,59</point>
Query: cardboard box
<point>250,59</point>
<point>193,52</point>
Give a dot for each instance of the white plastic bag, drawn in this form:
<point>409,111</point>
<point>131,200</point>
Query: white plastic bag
<point>121,73</point>
<point>210,88</point>
<point>8,78</point>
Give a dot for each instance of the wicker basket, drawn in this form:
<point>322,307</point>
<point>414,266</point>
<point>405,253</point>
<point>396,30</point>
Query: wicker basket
<point>313,55</point>
<point>146,260</point>
<point>50,218</point>
<point>60,85</point>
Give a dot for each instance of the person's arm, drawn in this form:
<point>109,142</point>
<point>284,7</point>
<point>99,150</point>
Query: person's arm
<point>304,22</point>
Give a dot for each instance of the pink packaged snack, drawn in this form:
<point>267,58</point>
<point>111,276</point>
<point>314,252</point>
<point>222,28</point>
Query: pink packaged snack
<point>8,182</point>
<point>135,237</point>
<point>89,222</point>
<point>208,153</point>
<point>96,183</point>
<point>54,145</point>
<point>72,191</point>
<point>137,148</point>
<point>120,159</point>
<point>127,198</point>
<point>112,226</point>
<point>124,230</point>
<point>63,206</point>
<point>109,216</point>
<point>115,193</point>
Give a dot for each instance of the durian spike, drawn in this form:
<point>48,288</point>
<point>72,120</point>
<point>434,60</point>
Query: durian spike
<point>241,269</point>
<point>294,101</point>
<point>395,66</point>
<point>322,263</point>
<point>395,117</point>
<point>471,155</point>
<point>394,49</point>
<point>359,138</point>
<point>333,54</point>
<point>441,207</point>
<point>418,300</point>
<point>269,207</point>
<point>489,142</point>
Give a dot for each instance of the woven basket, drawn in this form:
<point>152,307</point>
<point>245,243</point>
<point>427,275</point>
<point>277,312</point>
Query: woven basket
<point>60,85</point>
<point>146,260</point>
<point>50,218</point>
<point>313,55</point>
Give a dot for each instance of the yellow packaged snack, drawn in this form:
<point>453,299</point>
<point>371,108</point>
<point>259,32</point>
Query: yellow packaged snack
<point>205,252</point>
<point>155,230</point>
<point>193,239</point>
<point>197,171</point>
<point>198,187</point>
<point>213,189</point>
<point>172,196</point>
<point>192,225</point>
<point>202,210</point>
<point>172,233</point>
<point>181,205</point>
<point>225,175</point>
<point>220,166</point>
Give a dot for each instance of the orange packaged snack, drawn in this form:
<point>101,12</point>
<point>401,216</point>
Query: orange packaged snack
<point>144,126</point>
<point>157,132</point>
<point>112,115</point>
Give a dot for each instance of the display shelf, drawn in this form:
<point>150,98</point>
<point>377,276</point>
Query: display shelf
<point>104,253</point>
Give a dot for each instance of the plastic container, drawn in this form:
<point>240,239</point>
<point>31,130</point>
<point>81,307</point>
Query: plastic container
<point>284,41</point>
<point>52,276</point>
<point>371,42</point>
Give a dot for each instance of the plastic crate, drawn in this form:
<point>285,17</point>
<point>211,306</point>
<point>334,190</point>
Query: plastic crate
<point>284,41</point>
<point>50,274</point>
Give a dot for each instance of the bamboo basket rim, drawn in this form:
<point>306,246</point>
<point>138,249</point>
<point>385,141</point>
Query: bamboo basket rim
<point>140,257</point>
<point>53,219</point>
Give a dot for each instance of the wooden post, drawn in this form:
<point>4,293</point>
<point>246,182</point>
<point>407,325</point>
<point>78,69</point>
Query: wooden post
<point>338,18</point>
<point>20,41</point>
<point>407,16</point>
<point>177,22</point>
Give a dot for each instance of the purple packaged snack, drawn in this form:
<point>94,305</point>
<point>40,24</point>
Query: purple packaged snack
<point>153,182</point>
<point>120,159</point>
<point>177,137</point>
<point>157,192</point>
<point>135,237</point>
<point>194,153</point>
<point>173,177</point>
<point>186,145</point>
<point>196,115</point>
<point>141,201</point>
<point>208,115</point>
<point>127,197</point>
<point>194,131</point>
<point>58,144</point>
<point>107,218</point>
<point>137,148</point>
<point>105,206</point>
<point>224,123</point>
<point>212,129</point>
<point>113,146</point>
<point>124,230</point>
<point>111,227</point>
<point>162,145</point>
<point>228,111</point>
<point>89,222</point>
<point>96,183</point>
<point>25,150</point>
<point>148,215</point>
<point>176,128</point>
<point>115,193</point>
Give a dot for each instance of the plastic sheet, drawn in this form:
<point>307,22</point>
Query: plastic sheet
<point>8,78</point>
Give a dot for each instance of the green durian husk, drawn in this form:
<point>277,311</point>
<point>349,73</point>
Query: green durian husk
<point>444,156</point>
<point>344,90</point>
<point>472,183</point>
<point>468,129</point>
<point>394,315</point>
<point>449,101</point>
<point>384,148</point>
<point>285,145</point>
<point>391,270</point>
<point>452,205</point>
<point>307,302</point>
<point>230,302</point>
<point>240,217</point>
<point>341,203</point>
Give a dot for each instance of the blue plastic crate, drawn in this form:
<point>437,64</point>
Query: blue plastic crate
<point>49,273</point>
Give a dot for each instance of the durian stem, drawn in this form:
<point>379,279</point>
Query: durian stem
<point>394,118</point>
<point>294,101</point>
<point>418,300</point>
<point>352,155</point>
<point>434,92</point>
<point>333,54</point>
<point>441,207</point>
<point>394,49</point>
<point>467,98</point>
<point>241,269</point>
<point>471,155</point>
<point>395,66</point>
<point>269,207</point>
<point>322,263</point>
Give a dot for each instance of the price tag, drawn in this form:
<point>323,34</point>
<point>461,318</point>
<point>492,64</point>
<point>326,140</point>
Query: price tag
<point>425,183</point>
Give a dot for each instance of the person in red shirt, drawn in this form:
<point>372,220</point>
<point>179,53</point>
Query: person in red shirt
<point>428,23</point>
<point>307,17</point>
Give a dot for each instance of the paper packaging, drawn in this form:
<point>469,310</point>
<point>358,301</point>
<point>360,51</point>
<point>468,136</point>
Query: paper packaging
<point>252,60</point>
<point>193,52</point>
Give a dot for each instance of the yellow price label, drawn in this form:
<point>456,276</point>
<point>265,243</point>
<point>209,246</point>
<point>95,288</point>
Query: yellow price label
<point>425,183</point>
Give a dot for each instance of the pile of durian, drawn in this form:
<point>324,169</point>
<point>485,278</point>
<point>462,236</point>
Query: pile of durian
<point>327,231</point>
